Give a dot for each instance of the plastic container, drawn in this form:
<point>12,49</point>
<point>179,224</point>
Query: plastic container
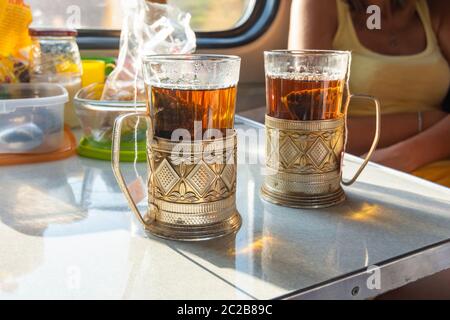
<point>55,58</point>
<point>67,150</point>
<point>97,121</point>
<point>31,117</point>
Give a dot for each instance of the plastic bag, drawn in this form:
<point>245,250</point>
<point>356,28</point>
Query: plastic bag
<point>15,17</point>
<point>148,28</point>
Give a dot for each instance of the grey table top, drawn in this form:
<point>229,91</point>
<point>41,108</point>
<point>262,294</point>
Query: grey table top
<point>66,232</point>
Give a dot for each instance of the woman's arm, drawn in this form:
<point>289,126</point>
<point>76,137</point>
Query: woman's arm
<point>427,147</point>
<point>313,24</point>
<point>440,12</point>
<point>394,128</point>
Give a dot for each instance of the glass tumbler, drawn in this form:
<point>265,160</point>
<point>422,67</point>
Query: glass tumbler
<point>192,146</point>
<point>306,133</point>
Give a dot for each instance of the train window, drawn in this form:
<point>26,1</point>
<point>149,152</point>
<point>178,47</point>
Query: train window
<point>217,23</point>
<point>207,15</point>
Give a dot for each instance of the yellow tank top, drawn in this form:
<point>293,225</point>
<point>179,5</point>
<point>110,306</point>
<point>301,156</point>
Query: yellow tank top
<point>403,84</point>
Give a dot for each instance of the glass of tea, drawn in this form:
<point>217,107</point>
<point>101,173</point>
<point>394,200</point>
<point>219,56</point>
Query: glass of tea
<point>307,100</point>
<point>194,93</point>
<point>192,146</point>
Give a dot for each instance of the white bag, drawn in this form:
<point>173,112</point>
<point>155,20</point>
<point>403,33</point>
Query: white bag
<point>148,28</point>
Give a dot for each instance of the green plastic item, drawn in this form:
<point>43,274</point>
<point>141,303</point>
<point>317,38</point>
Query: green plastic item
<point>4,94</point>
<point>102,151</point>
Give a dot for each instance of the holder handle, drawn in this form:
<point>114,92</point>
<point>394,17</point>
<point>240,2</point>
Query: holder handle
<point>375,141</point>
<point>117,133</point>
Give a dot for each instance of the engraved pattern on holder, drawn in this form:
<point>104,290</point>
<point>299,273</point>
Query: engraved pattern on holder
<point>193,184</point>
<point>304,162</point>
<point>310,147</point>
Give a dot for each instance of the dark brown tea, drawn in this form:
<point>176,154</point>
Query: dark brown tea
<point>174,108</point>
<point>304,99</point>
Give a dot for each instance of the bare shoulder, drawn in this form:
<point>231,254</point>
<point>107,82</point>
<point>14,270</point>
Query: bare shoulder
<point>440,16</point>
<point>326,9</point>
<point>313,24</point>
<point>440,13</point>
<point>317,4</point>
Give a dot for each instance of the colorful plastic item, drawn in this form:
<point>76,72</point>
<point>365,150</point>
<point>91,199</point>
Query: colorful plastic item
<point>94,150</point>
<point>15,17</point>
<point>93,72</point>
<point>110,63</point>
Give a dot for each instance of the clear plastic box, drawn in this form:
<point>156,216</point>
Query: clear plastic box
<point>31,117</point>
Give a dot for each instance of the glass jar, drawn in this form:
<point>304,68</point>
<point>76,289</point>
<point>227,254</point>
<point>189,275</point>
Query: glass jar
<point>55,58</point>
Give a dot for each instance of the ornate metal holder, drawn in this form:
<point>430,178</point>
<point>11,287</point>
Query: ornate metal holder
<point>304,161</point>
<point>304,158</point>
<point>193,197</point>
<point>191,187</point>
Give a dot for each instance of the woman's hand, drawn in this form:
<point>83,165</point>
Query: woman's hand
<point>395,157</point>
<point>394,129</point>
<point>424,148</point>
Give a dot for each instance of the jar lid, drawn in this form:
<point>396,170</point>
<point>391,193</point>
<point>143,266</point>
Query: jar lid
<point>52,32</point>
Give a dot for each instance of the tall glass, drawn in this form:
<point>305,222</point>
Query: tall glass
<point>194,93</point>
<point>307,100</point>
<point>192,146</point>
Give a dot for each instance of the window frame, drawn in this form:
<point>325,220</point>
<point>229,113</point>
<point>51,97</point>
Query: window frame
<point>257,23</point>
